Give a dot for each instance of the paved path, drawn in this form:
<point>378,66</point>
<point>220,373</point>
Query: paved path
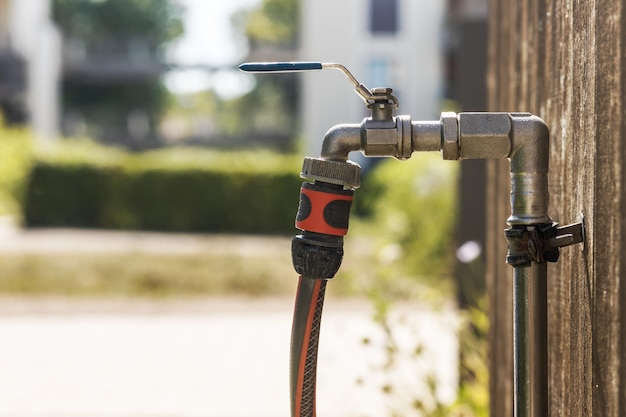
<point>207,357</point>
<point>15,240</point>
<point>210,358</point>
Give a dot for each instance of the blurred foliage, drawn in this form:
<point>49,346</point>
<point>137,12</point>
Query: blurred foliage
<point>409,209</point>
<point>423,399</point>
<point>266,115</point>
<point>16,151</point>
<point>275,22</point>
<point>254,120</point>
<point>97,21</point>
<point>271,108</point>
<point>79,152</point>
<point>102,110</point>
<point>82,184</point>
<point>146,274</point>
<point>412,207</point>
<point>116,33</point>
<point>267,112</point>
<point>473,397</point>
<point>251,161</point>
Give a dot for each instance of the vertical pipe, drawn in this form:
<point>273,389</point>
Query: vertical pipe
<point>530,360</point>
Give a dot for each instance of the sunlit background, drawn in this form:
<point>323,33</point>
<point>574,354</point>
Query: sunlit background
<point>148,190</point>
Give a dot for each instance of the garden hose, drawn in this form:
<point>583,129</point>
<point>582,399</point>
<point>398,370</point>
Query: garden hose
<point>317,252</point>
<point>304,345</point>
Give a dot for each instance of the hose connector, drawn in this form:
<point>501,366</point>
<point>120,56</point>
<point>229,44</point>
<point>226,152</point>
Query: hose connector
<point>346,174</point>
<point>323,216</point>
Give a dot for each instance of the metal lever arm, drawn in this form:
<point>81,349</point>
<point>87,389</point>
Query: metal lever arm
<point>280,66</point>
<point>298,66</point>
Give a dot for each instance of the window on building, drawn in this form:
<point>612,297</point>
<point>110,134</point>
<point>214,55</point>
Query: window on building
<point>383,16</point>
<point>379,74</point>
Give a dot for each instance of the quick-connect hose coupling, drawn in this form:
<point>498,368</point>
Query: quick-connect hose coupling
<point>323,216</point>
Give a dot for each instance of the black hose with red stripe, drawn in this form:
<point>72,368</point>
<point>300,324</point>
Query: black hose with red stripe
<point>317,253</point>
<point>304,343</point>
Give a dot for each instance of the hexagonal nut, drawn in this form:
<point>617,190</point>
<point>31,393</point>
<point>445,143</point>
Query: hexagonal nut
<point>450,136</point>
<point>484,135</point>
<point>381,142</point>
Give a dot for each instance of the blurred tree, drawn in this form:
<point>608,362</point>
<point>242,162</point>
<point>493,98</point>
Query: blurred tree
<point>113,57</point>
<point>271,108</point>
<point>95,21</point>
<point>275,22</point>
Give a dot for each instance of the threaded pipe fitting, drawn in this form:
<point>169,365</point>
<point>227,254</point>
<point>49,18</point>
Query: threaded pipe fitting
<point>347,174</point>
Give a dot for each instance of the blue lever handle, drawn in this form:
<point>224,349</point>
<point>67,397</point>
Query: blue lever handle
<point>280,66</point>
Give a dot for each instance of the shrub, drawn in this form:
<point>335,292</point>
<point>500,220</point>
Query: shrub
<point>183,190</point>
<point>412,209</point>
<point>15,160</point>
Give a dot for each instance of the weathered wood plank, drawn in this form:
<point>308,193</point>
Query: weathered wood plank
<point>564,60</point>
<point>498,278</point>
<point>608,112</point>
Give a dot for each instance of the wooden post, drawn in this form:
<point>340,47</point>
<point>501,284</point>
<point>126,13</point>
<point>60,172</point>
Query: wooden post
<point>564,60</point>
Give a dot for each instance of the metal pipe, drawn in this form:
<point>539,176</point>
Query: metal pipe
<point>426,136</point>
<point>340,140</point>
<point>529,170</point>
<point>529,206</point>
<point>530,335</point>
<point>524,139</point>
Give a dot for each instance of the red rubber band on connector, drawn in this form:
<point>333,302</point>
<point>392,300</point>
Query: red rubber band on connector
<point>315,221</point>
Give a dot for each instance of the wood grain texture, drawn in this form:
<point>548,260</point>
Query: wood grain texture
<point>564,61</point>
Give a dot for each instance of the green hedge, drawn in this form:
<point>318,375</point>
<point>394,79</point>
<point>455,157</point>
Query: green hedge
<point>183,190</point>
<point>15,159</point>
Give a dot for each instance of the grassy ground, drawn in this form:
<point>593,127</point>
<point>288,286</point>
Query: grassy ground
<point>96,264</point>
<point>141,274</point>
<point>78,263</point>
<point>84,263</point>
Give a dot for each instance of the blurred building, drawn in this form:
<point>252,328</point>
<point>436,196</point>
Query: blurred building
<point>384,43</point>
<point>12,74</point>
<point>110,84</point>
<point>467,54</point>
<point>29,65</point>
<point>37,63</point>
